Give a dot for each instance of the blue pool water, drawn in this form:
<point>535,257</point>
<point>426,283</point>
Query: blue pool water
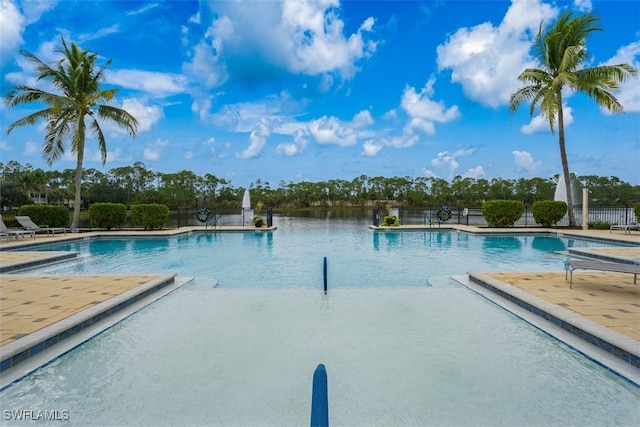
<point>403,344</point>
<point>292,257</point>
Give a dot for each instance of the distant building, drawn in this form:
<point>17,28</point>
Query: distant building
<point>41,197</point>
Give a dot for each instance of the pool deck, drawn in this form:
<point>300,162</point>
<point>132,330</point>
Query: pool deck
<point>37,312</point>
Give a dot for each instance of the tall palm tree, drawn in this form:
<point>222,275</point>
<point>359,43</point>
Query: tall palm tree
<point>561,52</point>
<point>78,106</point>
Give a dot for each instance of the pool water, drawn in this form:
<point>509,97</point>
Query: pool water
<point>401,348</point>
<point>292,257</point>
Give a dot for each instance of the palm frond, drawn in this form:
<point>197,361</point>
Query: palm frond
<point>96,131</point>
<point>120,117</point>
<point>30,120</point>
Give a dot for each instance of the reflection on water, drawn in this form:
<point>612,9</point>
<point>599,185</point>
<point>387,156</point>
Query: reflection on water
<point>548,244</point>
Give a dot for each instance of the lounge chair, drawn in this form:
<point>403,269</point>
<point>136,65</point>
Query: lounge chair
<point>15,232</point>
<point>617,267</point>
<point>624,227</point>
<point>28,224</point>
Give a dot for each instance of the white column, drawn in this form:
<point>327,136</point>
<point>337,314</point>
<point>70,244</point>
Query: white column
<point>585,208</point>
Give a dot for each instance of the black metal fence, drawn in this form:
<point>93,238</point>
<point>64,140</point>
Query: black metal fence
<point>415,216</point>
<point>473,216</point>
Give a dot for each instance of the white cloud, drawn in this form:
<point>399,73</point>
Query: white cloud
<point>147,115</point>
<point>13,21</point>
<point>314,37</point>
<point>487,59</point>
<point>371,148</point>
<point>331,130</point>
<point>420,105</point>
<point>154,150</point>
<point>293,36</point>
<point>449,160</point>
<point>157,85</point>
<point>30,148</point>
<point>541,124</point>
<point>205,66</point>
<point>113,29</point>
<point>582,5</point>
<point>477,172</point>
<point>421,125</point>
<point>143,9</point>
<point>96,156</point>
<point>391,115</point>
<point>428,173</point>
<point>362,119</point>
<point>294,147</point>
<point>195,19</point>
<point>629,92</point>
<point>257,140</point>
<point>525,162</point>
<point>11,26</point>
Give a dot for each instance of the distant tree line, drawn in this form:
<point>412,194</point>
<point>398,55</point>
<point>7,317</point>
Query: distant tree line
<point>184,189</point>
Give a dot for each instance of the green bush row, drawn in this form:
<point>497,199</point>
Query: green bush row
<point>150,215</point>
<point>51,215</point>
<point>107,215</point>
<point>548,212</point>
<point>502,213</point>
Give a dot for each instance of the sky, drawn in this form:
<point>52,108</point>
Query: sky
<point>317,90</point>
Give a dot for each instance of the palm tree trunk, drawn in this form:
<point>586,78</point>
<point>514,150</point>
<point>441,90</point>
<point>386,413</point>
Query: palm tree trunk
<point>75,224</point>
<point>565,163</point>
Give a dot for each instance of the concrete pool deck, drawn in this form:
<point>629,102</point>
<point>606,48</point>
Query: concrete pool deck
<point>35,309</point>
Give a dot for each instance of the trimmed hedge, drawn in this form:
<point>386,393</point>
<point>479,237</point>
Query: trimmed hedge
<point>51,215</point>
<point>548,212</point>
<point>502,213</point>
<point>150,215</point>
<point>107,215</point>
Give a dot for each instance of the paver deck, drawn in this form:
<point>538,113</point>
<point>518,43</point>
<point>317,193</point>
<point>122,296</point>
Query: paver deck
<point>609,299</point>
<point>29,304</point>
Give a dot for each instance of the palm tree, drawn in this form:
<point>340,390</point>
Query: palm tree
<point>80,100</point>
<point>560,52</point>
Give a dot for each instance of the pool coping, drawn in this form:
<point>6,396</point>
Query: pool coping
<point>45,340</point>
<point>611,349</point>
<point>51,258</point>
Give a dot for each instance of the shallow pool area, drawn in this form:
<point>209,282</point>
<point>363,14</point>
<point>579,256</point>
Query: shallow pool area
<point>412,356</point>
<point>403,344</point>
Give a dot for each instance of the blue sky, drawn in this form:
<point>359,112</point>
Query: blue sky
<point>319,90</point>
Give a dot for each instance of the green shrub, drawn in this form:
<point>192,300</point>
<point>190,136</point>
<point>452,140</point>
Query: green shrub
<point>636,210</point>
<point>600,225</point>
<point>502,213</point>
<point>107,215</point>
<point>390,221</point>
<point>548,212</point>
<point>150,215</point>
<point>51,215</point>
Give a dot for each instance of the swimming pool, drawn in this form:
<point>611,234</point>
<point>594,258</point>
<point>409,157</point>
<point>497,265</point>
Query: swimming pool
<point>400,348</point>
<point>292,256</point>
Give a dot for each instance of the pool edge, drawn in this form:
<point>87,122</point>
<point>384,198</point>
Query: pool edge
<point>608,350</point>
